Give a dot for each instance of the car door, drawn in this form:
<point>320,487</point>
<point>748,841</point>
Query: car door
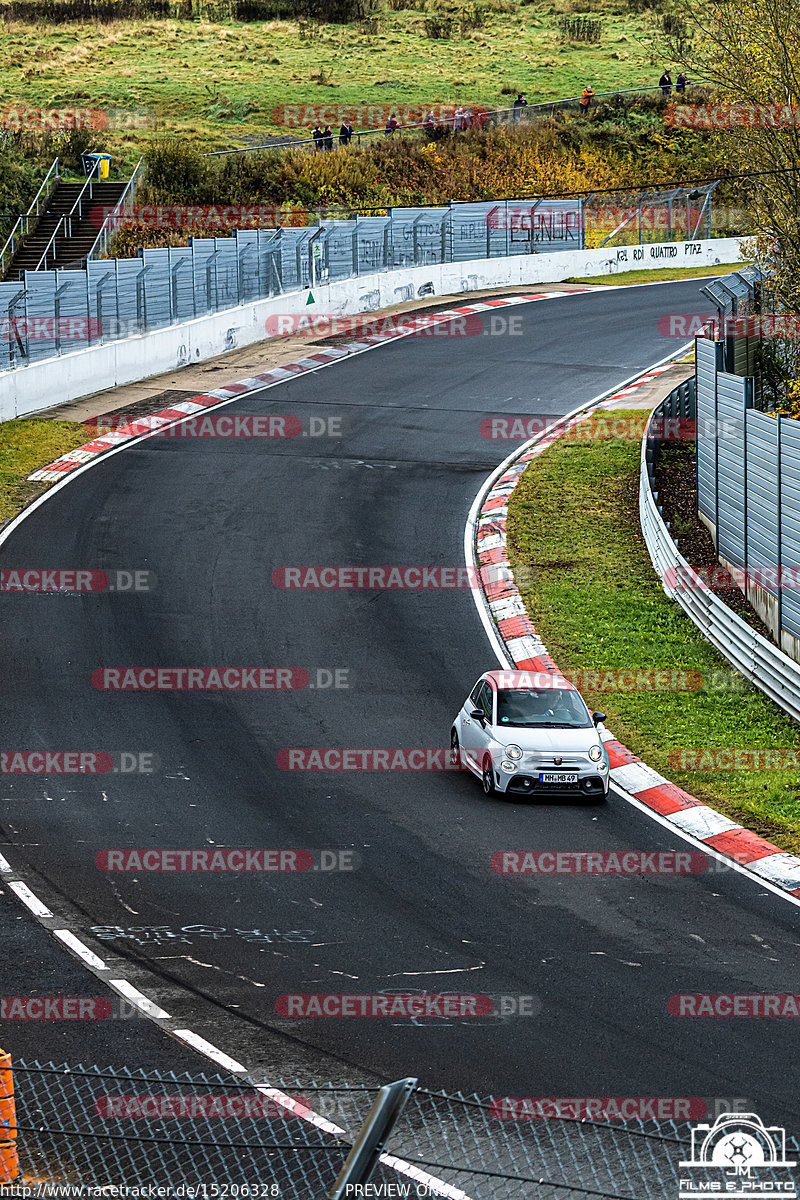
<point>477,735</point>
<point>465,722</point>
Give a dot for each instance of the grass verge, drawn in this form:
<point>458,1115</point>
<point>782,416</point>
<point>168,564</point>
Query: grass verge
<point>597,603</point>
<point>662,274</point>
<point>212,81</point>
<point>26,445</point>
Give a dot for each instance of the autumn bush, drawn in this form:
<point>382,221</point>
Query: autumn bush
<point>622,147</point>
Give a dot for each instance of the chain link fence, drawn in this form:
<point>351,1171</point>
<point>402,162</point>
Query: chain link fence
<point>107,1127</point>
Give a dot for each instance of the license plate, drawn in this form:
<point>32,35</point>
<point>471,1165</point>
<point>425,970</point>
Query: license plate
<point>557,777</point>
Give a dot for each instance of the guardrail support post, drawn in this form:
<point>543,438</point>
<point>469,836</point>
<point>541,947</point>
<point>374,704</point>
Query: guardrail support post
<point>374,1134</point>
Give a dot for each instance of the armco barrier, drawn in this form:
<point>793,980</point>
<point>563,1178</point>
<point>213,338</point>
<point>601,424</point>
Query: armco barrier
<point>54,381</point>
<point>777,675</point>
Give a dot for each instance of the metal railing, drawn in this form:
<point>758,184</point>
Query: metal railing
<point>23,223</point>
<point>480,118</point>
<point>753,655</point>
<point>61,224</point>
<point>64,224</point>
<point>111,223</point>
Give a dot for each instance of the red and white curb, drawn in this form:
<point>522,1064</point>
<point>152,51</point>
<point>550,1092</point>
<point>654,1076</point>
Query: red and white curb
<point>517,642</point>
<point>148,426</point>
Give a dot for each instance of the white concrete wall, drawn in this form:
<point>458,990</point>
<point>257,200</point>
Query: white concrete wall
<point>82,372</point>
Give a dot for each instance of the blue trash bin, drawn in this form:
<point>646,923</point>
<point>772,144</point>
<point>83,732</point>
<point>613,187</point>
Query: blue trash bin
<point>96,164</point>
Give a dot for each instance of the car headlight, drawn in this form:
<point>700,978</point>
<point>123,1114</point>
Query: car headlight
<point>509,767</point>
<point>595,754</point>
<point>514,752</point>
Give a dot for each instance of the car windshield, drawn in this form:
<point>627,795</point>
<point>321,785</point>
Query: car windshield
<point>553,708</point>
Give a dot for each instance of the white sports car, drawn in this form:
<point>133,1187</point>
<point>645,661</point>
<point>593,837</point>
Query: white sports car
<point>531,734</point>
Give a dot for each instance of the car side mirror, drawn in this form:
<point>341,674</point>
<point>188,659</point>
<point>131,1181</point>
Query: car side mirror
<point>598,717</point>
<point>478,714</point>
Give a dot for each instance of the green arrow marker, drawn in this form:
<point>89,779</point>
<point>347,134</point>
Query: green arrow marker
<point>310,299</point>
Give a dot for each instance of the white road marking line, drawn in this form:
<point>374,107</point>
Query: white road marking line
<point>136,997</point>
<point>198,1043</point>
<point>89,957</point>
<point>30,901</point>
<point>726,860</point>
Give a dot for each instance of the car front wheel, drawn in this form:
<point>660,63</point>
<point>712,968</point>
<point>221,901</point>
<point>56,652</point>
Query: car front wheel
<point>487,777</point>
<point>455,749</point>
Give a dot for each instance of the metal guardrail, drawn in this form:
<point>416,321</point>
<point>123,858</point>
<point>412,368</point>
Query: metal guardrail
<point>762,663</point>
<point>480,119</point>
<point>22,226</point>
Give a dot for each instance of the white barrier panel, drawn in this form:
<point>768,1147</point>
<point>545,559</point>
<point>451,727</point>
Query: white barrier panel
<point>68,377</point>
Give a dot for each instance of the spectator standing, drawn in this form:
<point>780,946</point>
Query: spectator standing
<point>429,124</point>
<point>317,136</point>
<point>458,119</point>
<point>391,125</point>
<point>345,133</point>
<point>681,82</point>
<point>468,119</point>
<point>519,104</point>
<point>585,102</point>
<point>665,83</point>
<point>327,137</point>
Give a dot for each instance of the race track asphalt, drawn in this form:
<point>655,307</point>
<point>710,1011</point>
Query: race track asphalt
<point>213,518</point>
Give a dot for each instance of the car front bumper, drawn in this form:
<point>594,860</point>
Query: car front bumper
<point>590,786</point>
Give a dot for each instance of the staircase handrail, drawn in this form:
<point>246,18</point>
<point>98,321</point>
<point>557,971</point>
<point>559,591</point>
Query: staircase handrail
<point>64,220</point>
<point>24,220</point>
<point>100,244</point>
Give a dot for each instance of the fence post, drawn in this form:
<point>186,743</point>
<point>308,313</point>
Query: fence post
<point>13,332</point>
<point>98,307</point>
<point>9,1155</point>
<point>88,306</point>
<point>373,1136</point>
<point>141,297</point>
<point>116,294</point>
<point>748,403</point>
<point>57,316</point>
<point>780,531</point>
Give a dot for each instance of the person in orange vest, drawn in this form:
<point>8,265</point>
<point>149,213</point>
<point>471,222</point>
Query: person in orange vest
<point>587,95</point>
